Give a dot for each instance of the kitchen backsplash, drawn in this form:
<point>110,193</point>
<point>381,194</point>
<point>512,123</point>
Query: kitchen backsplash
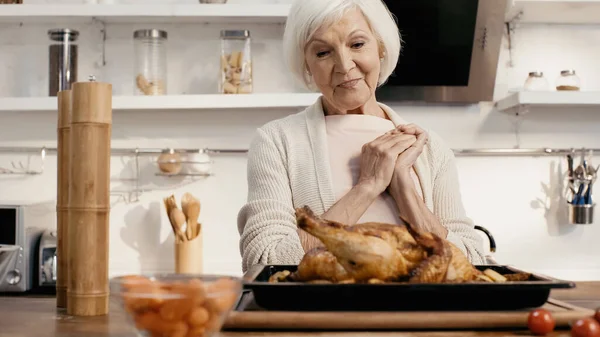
<point>517,199</point>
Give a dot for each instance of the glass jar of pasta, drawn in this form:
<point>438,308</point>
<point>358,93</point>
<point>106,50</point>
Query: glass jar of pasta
<point>151,62</point>
<point>236,62</point>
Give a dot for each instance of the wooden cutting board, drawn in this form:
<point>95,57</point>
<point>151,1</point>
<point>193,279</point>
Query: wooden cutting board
<point>241,319</point>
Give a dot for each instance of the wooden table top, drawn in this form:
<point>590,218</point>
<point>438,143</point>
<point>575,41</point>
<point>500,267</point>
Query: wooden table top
<point>28,316</point>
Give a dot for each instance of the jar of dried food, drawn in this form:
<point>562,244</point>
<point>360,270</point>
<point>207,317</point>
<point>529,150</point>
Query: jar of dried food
<point>568,81</point>
<point>62,60</point>
<point>150,61</point>
<point>536,82</point>
<point>236,62</point>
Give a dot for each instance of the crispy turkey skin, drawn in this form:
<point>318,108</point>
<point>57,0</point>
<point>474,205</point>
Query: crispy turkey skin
<point>385,252</point>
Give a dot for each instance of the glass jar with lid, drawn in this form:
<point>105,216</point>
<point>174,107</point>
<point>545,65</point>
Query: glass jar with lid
<point>536,82</point>
<point>236,62</point>
<point>62,59</point>
<point>568,81</point>
<point>150,62</point>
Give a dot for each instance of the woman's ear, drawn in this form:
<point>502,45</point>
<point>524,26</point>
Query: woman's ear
<point>381,49</point>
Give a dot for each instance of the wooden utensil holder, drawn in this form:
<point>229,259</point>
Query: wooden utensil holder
<point>89,199</point>
<point>62,195</point>
<point>189,256</point>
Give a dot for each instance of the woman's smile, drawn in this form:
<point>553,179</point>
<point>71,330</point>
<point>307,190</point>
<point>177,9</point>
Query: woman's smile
<point>350,84</point>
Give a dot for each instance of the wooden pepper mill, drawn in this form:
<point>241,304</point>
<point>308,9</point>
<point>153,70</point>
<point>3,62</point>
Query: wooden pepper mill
<point>89,199</point>
<point>62,194</point>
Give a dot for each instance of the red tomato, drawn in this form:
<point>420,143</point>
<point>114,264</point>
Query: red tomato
<point>597,315</point>
<point>540,322</point>
<point>586,327</point>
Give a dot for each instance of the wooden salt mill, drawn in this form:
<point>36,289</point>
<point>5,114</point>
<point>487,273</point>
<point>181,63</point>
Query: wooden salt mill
<point>62,195</point>
<point>89,198</point>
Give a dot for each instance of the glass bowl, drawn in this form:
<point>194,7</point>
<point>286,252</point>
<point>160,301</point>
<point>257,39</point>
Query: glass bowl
<point>176,305</point>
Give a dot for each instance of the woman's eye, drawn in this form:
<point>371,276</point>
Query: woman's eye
<point>322,54</point>
<point>358,45</point>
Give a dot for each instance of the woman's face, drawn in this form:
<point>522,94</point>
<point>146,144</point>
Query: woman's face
<point>344,61</point>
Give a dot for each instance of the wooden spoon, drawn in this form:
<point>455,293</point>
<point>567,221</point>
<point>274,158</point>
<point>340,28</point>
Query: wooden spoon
<point>171,204</point>
<point>185,202</point>
<point>178,219</point>
<point>191,209</point>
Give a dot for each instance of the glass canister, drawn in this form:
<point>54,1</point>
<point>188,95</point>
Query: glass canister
<point>62,60</point>
<point>536,82</point>
<point>150,61</point>
<point>568,81</point>
<point>236,62</point>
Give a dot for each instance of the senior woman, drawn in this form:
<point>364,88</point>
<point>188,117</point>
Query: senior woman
<point>348,157</point>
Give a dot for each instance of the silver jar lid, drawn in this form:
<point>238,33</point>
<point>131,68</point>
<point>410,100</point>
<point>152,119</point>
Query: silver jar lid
<point>150,33</point>
<point>62,34</point>
<point>235,34</point>
<point>567,72</point>
<point>536,74</point>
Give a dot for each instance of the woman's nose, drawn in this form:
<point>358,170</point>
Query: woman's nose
<point>344,62</point>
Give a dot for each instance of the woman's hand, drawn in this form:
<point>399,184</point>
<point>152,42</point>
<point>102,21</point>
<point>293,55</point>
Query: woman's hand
<point>379,158</point>
<point>402,187</point>
<point>377,162</point>
<point>404,164</point>
<point>408,158</point>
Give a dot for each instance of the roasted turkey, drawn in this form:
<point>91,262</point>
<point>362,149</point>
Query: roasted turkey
<point>369,252</point>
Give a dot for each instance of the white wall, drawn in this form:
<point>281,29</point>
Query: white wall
<point>518,199</point>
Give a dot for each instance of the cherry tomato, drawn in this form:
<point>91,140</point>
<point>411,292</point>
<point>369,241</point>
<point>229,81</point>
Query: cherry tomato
<point>597,315</point>
<point>586,327</point>
<point>540,322</point>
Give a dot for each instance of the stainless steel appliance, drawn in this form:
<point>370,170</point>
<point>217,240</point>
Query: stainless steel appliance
<point>27,246</point>
<point>450,50</point>
<point>46,276</point>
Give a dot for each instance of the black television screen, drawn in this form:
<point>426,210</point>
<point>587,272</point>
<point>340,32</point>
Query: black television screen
<point>437,43</point>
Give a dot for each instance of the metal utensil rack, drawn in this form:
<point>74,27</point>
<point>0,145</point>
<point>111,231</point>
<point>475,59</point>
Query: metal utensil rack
<point>154,151</point>
<point>18,169</point>
<point>526,152</point>
<point>139,152</point>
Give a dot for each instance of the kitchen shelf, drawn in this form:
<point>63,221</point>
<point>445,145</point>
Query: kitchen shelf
<point>173,102</point>
<point>131,13</point>
<point>523,101</point>
<point>555,11</point>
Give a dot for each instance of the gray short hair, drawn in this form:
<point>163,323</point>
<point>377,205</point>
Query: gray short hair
<point>307,16</point>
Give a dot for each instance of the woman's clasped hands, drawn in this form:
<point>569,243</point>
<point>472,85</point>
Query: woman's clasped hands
<point>386,161</point>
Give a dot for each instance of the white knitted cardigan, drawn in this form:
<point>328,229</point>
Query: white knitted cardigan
<point>288,167</point>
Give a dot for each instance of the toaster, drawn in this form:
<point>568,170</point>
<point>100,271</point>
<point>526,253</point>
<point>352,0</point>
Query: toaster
<point>27,246</point>
<point>46,261</point>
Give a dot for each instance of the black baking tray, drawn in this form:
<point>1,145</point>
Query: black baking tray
<point>296,296</point>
